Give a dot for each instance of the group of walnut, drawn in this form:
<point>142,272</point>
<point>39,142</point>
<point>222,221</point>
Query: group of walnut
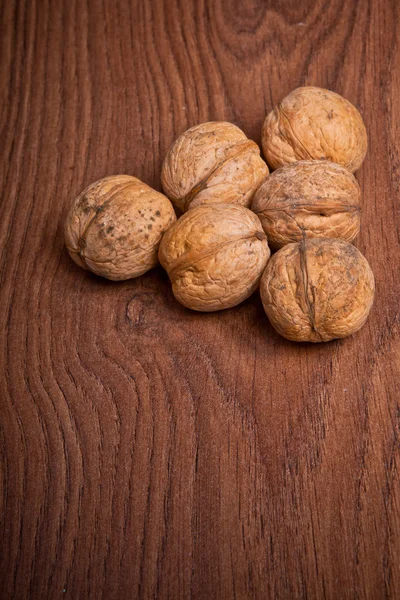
<point>316,287</point>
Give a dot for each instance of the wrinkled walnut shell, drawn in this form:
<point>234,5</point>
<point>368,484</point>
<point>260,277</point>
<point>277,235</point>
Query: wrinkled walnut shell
<point>317,290</point>
<point>314,198</point>
<point>214,255</point>
<point>313,123</point>
<point>115,226</point>
<point>212,162</point>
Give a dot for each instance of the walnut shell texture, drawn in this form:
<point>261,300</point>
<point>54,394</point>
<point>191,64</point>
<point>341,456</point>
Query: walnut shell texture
<point>212,162</point>
<point>214,255</point>
<point>314,123</point>
<point>314,198</point>
<point>115,226</point>
<point>317,290</point>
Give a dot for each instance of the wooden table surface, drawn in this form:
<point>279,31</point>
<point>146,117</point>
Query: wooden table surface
<point>148,451</point>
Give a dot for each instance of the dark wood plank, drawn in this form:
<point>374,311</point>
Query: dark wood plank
<point>147,451</point>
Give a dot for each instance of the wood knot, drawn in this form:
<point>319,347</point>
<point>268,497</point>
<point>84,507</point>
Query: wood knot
<point>140,312</point>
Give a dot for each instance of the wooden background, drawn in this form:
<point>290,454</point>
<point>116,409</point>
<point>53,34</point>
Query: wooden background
<point>148,451</point>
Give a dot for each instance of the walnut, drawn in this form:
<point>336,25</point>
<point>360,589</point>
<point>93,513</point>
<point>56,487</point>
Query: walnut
<point>212,162</point>
<point>313,123</point>
<point>214,255</point>
<point>317,290</point>
<point>115,226</point>
<point>313,198</point>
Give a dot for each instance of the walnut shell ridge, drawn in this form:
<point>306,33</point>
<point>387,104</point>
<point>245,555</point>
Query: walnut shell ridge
<point>115,226</point>
<point>317,290</point>
<point>314,198</point>
<point>212,162</point>
<point>314,123</point>
<point>214,255</point>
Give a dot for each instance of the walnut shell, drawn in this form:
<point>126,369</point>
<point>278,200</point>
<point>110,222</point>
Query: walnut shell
<point>313,198</point>
<point>212,162</point>
<point>317,290</point>
<point>214,255</point>
<point>115,226</point>
<point>313,123</point>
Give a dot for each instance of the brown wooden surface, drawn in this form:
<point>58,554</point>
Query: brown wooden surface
<point>147,451</point>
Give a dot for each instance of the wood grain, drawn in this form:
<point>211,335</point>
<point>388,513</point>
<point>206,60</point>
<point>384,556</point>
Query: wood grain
<point>146,451</point>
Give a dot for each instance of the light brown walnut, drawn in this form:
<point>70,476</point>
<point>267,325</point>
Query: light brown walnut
<point>317,290</point>
<point>314,198</point>
<point>115,226</point>
<point>314,123</point>
<point>214,255</point>
<point>212,162</point>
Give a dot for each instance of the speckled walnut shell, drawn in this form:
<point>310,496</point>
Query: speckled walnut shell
<point>212,162</point>
<point>214,255</point>
<point>313,123</point>
<point>317,290</point>
<point>314,198</point>
<point>115,226</point>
